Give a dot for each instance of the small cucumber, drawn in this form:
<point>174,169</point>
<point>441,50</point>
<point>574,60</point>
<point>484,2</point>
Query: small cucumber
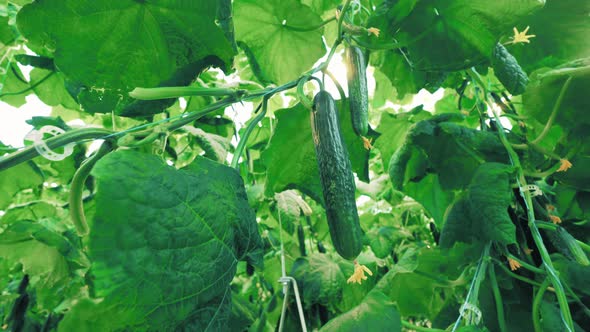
<point>76,205</point>
<point>571,245</point>
<point>508,70</point>
<point>358,94</point>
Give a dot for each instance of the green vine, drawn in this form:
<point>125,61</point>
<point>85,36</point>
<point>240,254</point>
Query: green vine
<point>522,183</point>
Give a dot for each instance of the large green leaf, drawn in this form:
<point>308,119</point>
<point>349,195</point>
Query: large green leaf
<point>319,278</point>
<point>165,243</point>
<point>449,34</point>
<point>482,214</point>
<point>423,279</point>
<point>574,274</point>
<point>545,88</point>
<point>376,313</point>
<point>272,30</point>
<point>107,48</point>
<point>402,76</point>
<point>50,88</point>
<point>561,34</point>
<point>438,158</point>
<point>393,129</point>
<point>16,179</point>
<point>14,86</point>
<point>290,156</point>
<point>577,177</point>
<point>47,257</point>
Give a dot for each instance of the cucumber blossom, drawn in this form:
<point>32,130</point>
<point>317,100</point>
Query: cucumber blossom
<point>336,177</point>
<point>358,94</point>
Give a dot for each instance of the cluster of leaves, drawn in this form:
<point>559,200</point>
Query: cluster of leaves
<point>181,241</point>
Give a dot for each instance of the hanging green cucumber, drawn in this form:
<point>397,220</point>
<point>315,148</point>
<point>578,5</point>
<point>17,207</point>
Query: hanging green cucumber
<point>336,177</point>
<point>508,70</point>
<point>358,94</point>
<point>77,188</point>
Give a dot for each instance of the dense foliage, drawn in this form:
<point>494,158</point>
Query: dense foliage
<point>197,194</point>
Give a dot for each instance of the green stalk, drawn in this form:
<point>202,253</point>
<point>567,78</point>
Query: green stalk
<point>310,28</point>
<point>537,304</point>
<point>188,118</point>
<point>244,139</point>
<point>473,293</point>
<point>514,275</point>
<point>526,265</point>
<point>28,88</point>
<point>521,180</point>
<point>306,102</point>
<point>55,142</point>
<point>180,91</point>
<point>553,115</point>
<point>341,18</point>
<point>76,206</point>
<point>572,72</point>
<point>537,284</point>
<point>497,299</point>
<point>336,83</point>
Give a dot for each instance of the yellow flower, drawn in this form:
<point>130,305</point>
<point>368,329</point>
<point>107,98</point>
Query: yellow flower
<point>555,219</point>
<point>521,37</point>
<point>367,143</point>
<point>550,207</point>
<point>565,165</point>
<point>359,273</point>
<point>514,265</point>
<point>373,31</point>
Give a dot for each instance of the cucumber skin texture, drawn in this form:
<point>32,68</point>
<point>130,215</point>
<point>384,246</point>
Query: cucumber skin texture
<point>508,71</point>
<point>336,177</point>
<point>358,94</point>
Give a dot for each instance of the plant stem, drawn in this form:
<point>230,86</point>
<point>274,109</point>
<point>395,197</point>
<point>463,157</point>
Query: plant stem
<point>179,91</point>
<point>390,46</point>
<point>55,142</point>
<point>553,115</point>
<point>310,28</point>
<point>573,72</point>
<point>28,88</point>
<point>336,83</point>
<point>441,282</point>
<point>526,265</point>
<point>409,325</point>
<point>546,173</point>
<point>341,18</point>
<point>514,275</point>
<point>497,299</point>
<point>473,293</point>
<point>526,195</point>
<point>244,139</point>
<point>537,284</point>
<point>537,304</point>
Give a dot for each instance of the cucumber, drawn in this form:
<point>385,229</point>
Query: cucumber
<point>573,248</point>
<point>508,70</point>
<point>358,94</point>
<point>336,177</point>
<point>77,188</point>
